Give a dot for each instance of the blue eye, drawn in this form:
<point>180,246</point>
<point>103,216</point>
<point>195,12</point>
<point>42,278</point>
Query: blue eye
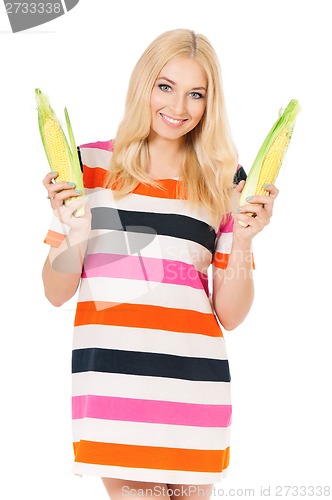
<point>196,95</point>
<point>164,87</point>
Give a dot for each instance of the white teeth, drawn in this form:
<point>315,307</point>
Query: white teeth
<point>171,120</point>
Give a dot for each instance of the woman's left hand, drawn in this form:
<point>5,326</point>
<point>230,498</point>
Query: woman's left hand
<point>260,206</point>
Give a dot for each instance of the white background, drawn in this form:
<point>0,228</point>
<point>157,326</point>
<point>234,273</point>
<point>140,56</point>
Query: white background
<point>280,357</point>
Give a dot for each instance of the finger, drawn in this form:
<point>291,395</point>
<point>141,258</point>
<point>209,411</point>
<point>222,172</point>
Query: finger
<point>267,206</point>
<point>272,193</point>
<point>55,190</point>
<point>67,193</point>
<point>265,202</point>
<point>73,205</point>
<point>245,220</point>
<point>271,189</point>
<point>240,186</point>
<point>256,209</point>
<point>248,221</point>
<point>260,199</point>
<point>64,199</point>
<point>65,212</point>
<point>260,213</point>
<point>49,177</point>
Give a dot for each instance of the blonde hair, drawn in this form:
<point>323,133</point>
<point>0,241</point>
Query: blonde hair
<point>211,157</point>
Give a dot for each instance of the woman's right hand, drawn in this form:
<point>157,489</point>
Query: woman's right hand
<point>58,193</point>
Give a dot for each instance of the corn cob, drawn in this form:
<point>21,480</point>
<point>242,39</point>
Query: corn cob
<point>269,159</point>
<point>62,158</point>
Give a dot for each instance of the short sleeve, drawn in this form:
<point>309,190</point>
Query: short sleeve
<point>57,232</point>
<point>224,240</point>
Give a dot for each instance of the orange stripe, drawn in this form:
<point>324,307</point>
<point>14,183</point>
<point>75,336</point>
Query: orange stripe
<point>151,457</point>
<point>171,186</point>
<point>221,260</point>
<point>147,316</point>
<point>93,177</point>
<point>54,238</point>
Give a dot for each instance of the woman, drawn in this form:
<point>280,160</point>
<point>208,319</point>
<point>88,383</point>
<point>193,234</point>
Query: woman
<point>151,384</point>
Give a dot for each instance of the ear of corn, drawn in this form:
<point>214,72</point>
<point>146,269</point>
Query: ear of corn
<point>62,157</point>
<point>270,157</point>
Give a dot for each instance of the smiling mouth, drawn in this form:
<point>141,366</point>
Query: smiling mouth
<point>172,121</point>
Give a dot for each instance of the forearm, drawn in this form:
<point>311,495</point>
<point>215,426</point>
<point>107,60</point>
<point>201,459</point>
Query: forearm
<point>63,267</point>
<point>233,288</point>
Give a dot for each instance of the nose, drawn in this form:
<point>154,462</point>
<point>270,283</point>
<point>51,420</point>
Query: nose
<point>179,105</point>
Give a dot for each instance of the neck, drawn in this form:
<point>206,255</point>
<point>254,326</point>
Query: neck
<point>165,157</point>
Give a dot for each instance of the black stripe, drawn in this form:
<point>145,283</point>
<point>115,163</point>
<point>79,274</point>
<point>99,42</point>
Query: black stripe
<point>80,158</point>
<point>150,364</point>
<point>178,226</point>
<point>240,175</point>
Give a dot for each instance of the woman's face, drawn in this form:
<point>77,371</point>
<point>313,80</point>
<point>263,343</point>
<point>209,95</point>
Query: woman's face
<point>178,99</point>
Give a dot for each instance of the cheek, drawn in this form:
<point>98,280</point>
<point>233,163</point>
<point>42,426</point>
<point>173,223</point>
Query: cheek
<point>198,111</point>
<point>156,102</point>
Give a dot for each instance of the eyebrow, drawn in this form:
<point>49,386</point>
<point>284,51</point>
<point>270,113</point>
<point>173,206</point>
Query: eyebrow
<point>173,83</point>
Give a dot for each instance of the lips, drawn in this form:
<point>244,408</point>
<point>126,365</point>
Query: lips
<point>173,122</point>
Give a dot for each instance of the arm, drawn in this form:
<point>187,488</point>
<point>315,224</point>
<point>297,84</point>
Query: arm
<point>63,266</point>
<point>233,288</point>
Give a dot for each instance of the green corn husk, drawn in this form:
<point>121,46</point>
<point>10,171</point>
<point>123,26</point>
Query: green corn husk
<point>256,178</point>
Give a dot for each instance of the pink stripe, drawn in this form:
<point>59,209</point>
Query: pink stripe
<point>143,268</point>
<point>144,410</point>
<point>227,226</point>
<point>107,145</point>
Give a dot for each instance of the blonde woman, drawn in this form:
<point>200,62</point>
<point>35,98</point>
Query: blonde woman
<point>151,383</point>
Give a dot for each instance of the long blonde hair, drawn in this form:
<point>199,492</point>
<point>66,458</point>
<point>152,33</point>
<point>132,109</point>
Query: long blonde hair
<point>211,157</point>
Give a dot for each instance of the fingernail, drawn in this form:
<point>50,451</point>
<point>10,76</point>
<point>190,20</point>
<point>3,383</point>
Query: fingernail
<point>54,172</point>
<point>78,191</point>
<point>266,185</point>
<point>249,198</point>
<point>71,183</point>
<point>238,208</point>
<point>232,214</point>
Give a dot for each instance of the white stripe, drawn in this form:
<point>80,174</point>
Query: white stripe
<point>146,340</point>
<point>148,475</point>
<point>57,226</point>
<point>150,434</point>
<point>163,247</point>
<point>224,244</point>
<point>144,292</point>
<point>154,388</point>
<point>95,157</point>
<point>101,197</point>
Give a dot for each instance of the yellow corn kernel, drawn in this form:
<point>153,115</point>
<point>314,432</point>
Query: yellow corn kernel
<point>273,160</point>
<point>57,150</point>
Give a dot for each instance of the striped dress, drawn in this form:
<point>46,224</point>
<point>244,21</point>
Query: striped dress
<point>150,375</point>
